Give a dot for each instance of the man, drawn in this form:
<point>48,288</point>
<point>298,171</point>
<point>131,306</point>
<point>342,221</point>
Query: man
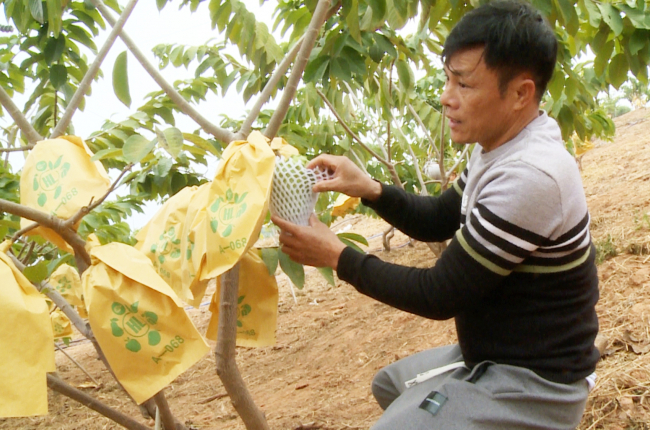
<point>518,276</point>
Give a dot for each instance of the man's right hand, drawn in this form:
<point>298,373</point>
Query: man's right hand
<point>348,178</point>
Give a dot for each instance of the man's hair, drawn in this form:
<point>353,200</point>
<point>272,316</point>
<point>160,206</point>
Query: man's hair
<point>516,39</point>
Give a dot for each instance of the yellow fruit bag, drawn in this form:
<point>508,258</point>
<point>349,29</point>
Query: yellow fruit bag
<point>138,320</point>
<point>162,241</point>
<point>65,279</point>
<point>344,205</point>
<point>257,304</point>
<point>59,178</point>
<point>281,147</point>
<point>193,240</point>
<point>26,343</point>
<point>227,217</point>
<point>61,325</point>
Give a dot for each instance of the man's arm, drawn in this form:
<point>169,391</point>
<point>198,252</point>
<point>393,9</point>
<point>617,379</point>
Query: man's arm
<point>429,219</point>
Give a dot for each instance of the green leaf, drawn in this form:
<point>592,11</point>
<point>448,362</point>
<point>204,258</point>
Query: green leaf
<point>173,141</point>
<point>617,70</point>
<point>270,257</point>
<point>378,9</point>
<point>637,41</point>
<point>54,49</point>
<point>37,272</point>
<point>328,274</point>
<point>612,17</point>
<point>136,148</point>
<point>54,14</point>
<point>295,271</point>
<point>160,4</point>
<point>602,58</point>
<point>556,86</point>
<point>52,265</point>
<point>36,9</point>
<point>58,76</point>
<point>569,15</point>
<point>201,143</point>
<point>352,20</point>
<point>315,69</point>
<point>121,79</point>
<point>593,12</point>
<point>404,74</point>
<point>354,236</point>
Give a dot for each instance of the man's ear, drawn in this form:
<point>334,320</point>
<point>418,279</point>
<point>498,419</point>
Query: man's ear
<point>524,91</point>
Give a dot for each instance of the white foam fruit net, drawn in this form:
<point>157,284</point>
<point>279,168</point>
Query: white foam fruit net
<point>292,197</point>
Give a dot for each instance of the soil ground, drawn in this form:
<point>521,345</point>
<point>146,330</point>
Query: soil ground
<point>332,340</point>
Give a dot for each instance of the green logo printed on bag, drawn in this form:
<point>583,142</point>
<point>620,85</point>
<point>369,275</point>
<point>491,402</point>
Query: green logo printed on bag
<point>58,328</point>
<point>134,325</point>
<point>63,285</point>
<point>243,309</point>
<point>47,179</point>
<point>226,211</point>
<point>168,246</point>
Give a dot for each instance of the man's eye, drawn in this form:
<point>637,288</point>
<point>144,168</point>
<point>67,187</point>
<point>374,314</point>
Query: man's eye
<point>463,85</point>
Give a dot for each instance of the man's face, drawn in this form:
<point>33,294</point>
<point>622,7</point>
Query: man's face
<point>476,109</point>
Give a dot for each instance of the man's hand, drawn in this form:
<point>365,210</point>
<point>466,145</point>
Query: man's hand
<point>315,245</point>
<point>348,178</point>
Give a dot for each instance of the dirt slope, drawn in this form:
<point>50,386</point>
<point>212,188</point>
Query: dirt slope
<point>332,340</point>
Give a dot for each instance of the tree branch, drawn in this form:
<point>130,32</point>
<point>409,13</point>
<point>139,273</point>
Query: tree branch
<point>62,387</point>
<point>54,223</point>
<point>85,210</point>
<point>76,363</point>
<point>221,134</point>
<point>317,20</point>
<point>19,118</point>
<point>441,154</point>
<point>418,173</point>
<point>23,231</point>
<point>20,148</point>
<point>92,71</point>
<point>270,86</point>
<point>168,419</point>
<point>382,160</point>
<point>275,79</point>
<point>424,128</point>
<point>224,353</point>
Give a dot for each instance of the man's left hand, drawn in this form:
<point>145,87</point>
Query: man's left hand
<point>315,245</point>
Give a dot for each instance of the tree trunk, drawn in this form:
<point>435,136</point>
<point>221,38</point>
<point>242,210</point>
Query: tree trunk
<point>224,353</point>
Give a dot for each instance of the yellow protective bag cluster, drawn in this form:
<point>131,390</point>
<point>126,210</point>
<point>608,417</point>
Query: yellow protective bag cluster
<point>257,304</point>
<point>225,217</point>
<point>162,240</point>
<point>26,343</point>
<point>59,178</point>
<point>138,320</point>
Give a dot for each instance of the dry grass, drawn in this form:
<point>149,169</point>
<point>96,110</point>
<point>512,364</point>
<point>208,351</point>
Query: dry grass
<point>617,182</point>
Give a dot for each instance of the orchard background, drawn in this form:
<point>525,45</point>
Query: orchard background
<point>356,78</point>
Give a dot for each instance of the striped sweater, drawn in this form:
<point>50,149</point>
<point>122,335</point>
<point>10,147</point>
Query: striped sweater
<point>519,275</point>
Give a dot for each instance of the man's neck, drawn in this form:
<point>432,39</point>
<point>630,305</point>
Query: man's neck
<point>518,124</point>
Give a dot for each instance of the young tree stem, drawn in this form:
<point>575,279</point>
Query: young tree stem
<point>317,20</point>
<point>62,387</point>
<point>223,135</point>
<point>92,71</point>
<point>224,353</point>
<point>19,118</point>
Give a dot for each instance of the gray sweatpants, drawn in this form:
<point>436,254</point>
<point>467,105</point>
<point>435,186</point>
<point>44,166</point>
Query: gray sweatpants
<point>490,397</point>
